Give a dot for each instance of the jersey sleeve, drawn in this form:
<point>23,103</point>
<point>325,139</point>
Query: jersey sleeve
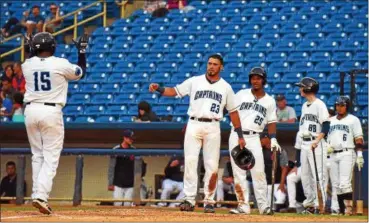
<point>356,128</point>
<point>323,113</point>
<point>283,159</point>
<point>71,71</point>
<point>272,113</point>
<point>292,113</point>
<point>184,88</point>
<point>231,104</point>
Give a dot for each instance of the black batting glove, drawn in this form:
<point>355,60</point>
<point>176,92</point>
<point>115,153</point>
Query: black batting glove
<point>81,43</point>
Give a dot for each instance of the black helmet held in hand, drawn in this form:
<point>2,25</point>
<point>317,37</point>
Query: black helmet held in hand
<point>243,158</point>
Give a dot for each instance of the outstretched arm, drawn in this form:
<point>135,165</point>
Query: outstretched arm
<point>165,91</point>
<point>235,118</point>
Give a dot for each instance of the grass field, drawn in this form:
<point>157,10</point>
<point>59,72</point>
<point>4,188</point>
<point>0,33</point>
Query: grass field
<point>66,213</point>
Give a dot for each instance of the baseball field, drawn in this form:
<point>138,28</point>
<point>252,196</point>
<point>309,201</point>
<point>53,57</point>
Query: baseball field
<point>87,213</point>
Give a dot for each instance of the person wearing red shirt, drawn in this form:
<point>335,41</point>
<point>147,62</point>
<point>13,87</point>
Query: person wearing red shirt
<point>19,83</point>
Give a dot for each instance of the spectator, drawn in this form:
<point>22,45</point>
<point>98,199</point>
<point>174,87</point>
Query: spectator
<point>7,90</point>
<point>179,4</point>
<point>17,111</point>
<point>33,20</point>
<point>152,5</point>
<point>285,113</point>
<point>7,75</point>
<point>280,171</point>
<point>145,114</point>
<point>121,172</point>
<point>173,181</point>
<point>53,22</point>
<point>11,27</point>
<point>8,186</point>
<point>19,82</point>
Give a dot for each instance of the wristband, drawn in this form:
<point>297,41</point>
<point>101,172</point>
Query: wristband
<point>360,153</point>
<point>239,132</point>
<point>272,135</point>
<point>359,146</point>
<point>160,90</point>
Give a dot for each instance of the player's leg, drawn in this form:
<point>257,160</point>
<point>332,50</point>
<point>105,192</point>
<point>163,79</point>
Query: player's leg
<point>240,182</point>
<point>128,194</point>
<point>292,180</point>
<point>192,146</point>
<point>180,196</point>
<point>307,178</point>
<point>220,190</point>
<point>118,194</point>
<point>52,131</point>
<point>211,153</point>
<point>334,178</point>
<point>258,174</point>
<point>168,187</point>
<point>346,166</point>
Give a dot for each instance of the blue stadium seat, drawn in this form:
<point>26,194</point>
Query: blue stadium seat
<point>238,20</point>
<point>361,56</point>
<point>292,77</point>
<point>79,98</point>
<point>201,47</point>
<point>97,77</point>
<point>188,67</point>
<point>134,58</point>
<point>307,46</point>
<point>125,118</point>
<point>316,37</point>
<point>326,66</point>
<point>74,87</point>
<point>282,88</point>
<point>118,77</point>
<point>177,48</point>
<point>279,67</point>
<point>185,38</point>
<point>196,57</point>
<point>350,45</point>
<point>223,21</point>
<point>167,67</point>
<point>328,45</point>
<point>271,28</point>
<point>73,110</point>
<point>124,98</point>
<point>180,110</point>
<point>130,88</point>
<point>125,66</point>
<point>222,47</point>
<point>102,98</point>
<point>121,48</point>
<point>163,21</point>
<point>145,67</point>
<point>341,56</point>
<point>140,47</point>
<point>254,57</point>
<point>115,57</point>
<point>163,109</point>
<point>94,110</point>
<point>284,46</point>
<point>349,65</point>
<point>270,37</point>
<point>234,57</point>
<point>84,119</point>
<point>90,88</point>
<point>355,28</point>
<point>362,37</point>
<point>276,56</point>
<point>150,98</point>
<point>160,77</point>
<point>234,67</point>
<point>298,56</point>
<point>326,88</point>
<point>303,66</point>
<point>116,109</point>
<point>109,88</point>
<point>263,46</point>
<point>106,119</point>
<point>169,100</point>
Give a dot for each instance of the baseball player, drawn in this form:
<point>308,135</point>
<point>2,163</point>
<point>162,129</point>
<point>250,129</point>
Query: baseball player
<point>209,95</point>
<point>47,79</point>
<point>345,134</point>
<point>257,109</point>
<point>314,125</point>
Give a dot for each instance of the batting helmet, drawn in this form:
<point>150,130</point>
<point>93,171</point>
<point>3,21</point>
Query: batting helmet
<point>344,100</point>
<point>43,41</point>
<point>309,85</point>
<point>243,158</point>
<point>260,72</point>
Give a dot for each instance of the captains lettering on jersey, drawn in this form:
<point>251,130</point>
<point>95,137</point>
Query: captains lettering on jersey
<point>339,127</point>
<point>309,117</point>
<point>253,106</point>
<point>208,94</point>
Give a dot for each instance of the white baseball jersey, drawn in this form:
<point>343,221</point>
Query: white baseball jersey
<point>342,133</point>
<point>207,100</point>
<point>47,79</point>
<point>255,113</point>
<point>312,117</point>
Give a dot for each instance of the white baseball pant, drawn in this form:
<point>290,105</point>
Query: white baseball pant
<point>205,135</point>
<point>126,193</point>
<point>168,187</point>
<point>45,130</point>
<point>257,172</point>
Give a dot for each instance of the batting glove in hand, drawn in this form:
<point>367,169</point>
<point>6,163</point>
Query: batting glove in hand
<point>329,149</point>
<point>360,160</point>
<point>274,144</point>
<point>81,43</point>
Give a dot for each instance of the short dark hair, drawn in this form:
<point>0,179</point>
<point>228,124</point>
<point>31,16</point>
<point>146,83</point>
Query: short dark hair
<point>10,163</point>
<point>9,65</point>
<point>35,6</point>
<point>218,57</point>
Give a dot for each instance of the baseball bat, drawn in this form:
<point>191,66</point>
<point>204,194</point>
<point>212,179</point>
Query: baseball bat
<point>320,196</point>
<point>273,178</point>
<point>359,202</point>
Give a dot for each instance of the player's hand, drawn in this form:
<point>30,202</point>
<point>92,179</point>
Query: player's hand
<point>314,145</point>
<point>81,43</point>
<point>153,87</point>
<point>275,145</point>
<point>282,187</point>
<point>242,143</point>
<point>294,170</point>
<point>174,163</point>
<point>360,161</point>
<point>329,149</point>
<point>111,187</point>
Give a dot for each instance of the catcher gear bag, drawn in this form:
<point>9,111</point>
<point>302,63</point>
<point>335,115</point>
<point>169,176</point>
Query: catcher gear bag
<point>243,158</point>
<point>260,72</point>
<point>43,41</point>
<point>309,85</point>
<point>344,100</point>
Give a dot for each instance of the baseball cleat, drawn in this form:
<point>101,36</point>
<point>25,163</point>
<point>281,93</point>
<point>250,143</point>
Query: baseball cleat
<point>335,212</point>
<point>316,211</point>
<point>268,211</point>
<point>240,210</point>
<point>288,210</point>
<point>186,206</point>
<point>209,208</point>
<point>42,206</point>
<point>308,210</point>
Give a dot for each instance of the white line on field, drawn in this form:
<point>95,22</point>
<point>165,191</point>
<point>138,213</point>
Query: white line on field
<point>22,216</point>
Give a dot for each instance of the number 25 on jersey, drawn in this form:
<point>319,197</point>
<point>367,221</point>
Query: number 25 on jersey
<point>42,81</point>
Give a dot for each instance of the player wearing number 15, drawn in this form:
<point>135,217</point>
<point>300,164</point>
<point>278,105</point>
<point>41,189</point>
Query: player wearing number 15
<point>47,79</point>
<point>209,94</point>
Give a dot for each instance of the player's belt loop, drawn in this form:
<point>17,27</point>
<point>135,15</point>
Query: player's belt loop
<point>249,132</point>
<point>340,151</point>
<point>308,139</point>
<point>46,103</point>
<point>203,119</point>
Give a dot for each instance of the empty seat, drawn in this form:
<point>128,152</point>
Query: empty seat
<point>73,110</point>
<point>94,110</point>
<point>298,56</point>
<point>106,119</point>
<point>101,98</point>
<point>124,98</point>
<point>116,110</point>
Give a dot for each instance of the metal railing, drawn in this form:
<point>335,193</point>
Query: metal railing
<point>74,27</point>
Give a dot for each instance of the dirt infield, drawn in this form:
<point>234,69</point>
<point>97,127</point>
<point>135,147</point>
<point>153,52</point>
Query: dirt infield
<point>145,214</point>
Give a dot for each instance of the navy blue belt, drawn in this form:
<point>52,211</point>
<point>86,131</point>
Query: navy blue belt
<point>46,103</point>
